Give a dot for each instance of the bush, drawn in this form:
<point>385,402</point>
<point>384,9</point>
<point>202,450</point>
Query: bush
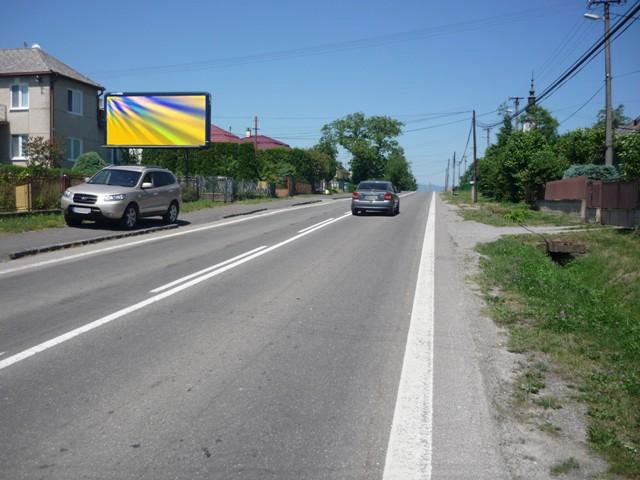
<point>88,164</point>
<point>606,173</point>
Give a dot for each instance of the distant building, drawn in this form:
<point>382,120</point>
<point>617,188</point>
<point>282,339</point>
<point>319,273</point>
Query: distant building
<point>220,135</point>
<point>263,142</point>
<point>631,127</point>
<point>42,97</point>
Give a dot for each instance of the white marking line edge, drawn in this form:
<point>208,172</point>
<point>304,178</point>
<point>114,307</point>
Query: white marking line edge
<point>162,237</point>
<point>315,225</point>
<point>145,303</point>
<point>205,270</point>
<point>410,448</point>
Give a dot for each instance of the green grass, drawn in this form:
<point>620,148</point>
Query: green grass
<point>31,222</point>
<point>565,467</point>
<point>584,316</point>
<point>502,214</point>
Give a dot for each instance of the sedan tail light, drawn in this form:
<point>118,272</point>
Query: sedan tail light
<point>388,196</point>
<point>355,195</point>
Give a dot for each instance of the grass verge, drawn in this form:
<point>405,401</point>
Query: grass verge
<point>29,223</point>
<point>503,214</point>
<point>585,317</point>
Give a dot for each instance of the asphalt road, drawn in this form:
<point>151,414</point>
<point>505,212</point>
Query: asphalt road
<point>281,359</point>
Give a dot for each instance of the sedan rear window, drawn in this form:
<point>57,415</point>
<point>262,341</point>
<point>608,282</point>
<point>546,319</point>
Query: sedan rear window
<point>121,178</point>
<point>374,186</point>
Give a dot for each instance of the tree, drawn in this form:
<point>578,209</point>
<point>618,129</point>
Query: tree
<point>398,171</point>
<point>628,153</point>
<point>88,163</point>
<point>370,140</point>
<point>538,118</point>
<point>618,118</point>
<point>43,152</point>
<point>582,146</point>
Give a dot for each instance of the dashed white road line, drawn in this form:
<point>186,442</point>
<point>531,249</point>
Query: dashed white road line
<point>160,296</point>
<point>410,448</point>
<point>205,270</point>
<point>315,225</point>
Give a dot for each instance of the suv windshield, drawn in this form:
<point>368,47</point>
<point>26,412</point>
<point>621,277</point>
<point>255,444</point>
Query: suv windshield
<point>374,186</point>
<point>121,178</point>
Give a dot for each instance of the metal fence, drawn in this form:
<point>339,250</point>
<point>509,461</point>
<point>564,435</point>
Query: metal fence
<point>223,189</point>
<point>597,194</point>
<point>33,193</point>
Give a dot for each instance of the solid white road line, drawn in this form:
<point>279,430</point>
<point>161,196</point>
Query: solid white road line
<point>158,238</point>
<point>145,303</point>
<point>410,442</point>
<point>205,270</point>
<point>315,225</point>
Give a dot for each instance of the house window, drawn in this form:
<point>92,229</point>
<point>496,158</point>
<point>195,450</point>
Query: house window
<point>74,148</point>
<point>74,101</point>
<point>20,97</point>
<point>18,142</point>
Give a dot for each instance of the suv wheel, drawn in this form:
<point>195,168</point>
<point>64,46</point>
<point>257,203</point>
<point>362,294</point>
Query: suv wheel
<point>130,217</point>
<point>172,214</point>
<point>72,222</point>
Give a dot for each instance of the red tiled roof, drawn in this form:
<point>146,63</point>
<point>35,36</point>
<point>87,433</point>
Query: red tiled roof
<point>265,143</point>
<point>220,135</point>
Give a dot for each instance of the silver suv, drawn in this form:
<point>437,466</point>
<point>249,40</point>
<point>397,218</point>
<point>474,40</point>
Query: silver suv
<point>123,194</point>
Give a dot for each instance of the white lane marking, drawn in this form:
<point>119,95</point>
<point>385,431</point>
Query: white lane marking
<point>205,270</point>
<point>410,443</point>
<point>406,194</point>
<point>145,303</point>
<point>156,239</point>
<point>315,225</point>
<point>2,353</point>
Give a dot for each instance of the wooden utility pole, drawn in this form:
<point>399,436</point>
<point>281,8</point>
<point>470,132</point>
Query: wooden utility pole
<point>474,188</point>
<point>453,180</point>
<point>446,177</point>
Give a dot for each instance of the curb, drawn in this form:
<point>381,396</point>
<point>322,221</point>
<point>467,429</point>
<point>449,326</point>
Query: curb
<point>77,243</point>
<point>245,213</point>
<point>305,203</point>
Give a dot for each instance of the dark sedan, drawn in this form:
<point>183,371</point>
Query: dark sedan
<point>375,196</point>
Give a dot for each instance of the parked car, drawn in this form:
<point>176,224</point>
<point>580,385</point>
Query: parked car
<point>123,194</point>
<point>375,196</point>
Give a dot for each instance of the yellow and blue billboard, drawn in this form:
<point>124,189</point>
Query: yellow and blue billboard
<point>157,119</point>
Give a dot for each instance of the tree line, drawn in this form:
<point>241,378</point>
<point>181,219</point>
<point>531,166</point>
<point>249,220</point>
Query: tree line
<point>519,164</point>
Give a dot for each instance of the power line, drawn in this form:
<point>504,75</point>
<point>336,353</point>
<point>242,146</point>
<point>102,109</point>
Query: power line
<point>367,42</point>
<point>584,104</point>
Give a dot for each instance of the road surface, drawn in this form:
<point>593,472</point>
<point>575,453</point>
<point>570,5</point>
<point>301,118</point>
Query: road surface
<point>301,343</point>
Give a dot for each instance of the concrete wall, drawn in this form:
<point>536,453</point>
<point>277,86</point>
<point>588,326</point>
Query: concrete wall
<point>33,122</point>
<point>565,206</point>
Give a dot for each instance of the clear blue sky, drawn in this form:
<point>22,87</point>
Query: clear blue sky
<point>299,65</point>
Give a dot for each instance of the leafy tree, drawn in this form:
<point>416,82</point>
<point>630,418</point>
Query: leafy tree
<point>618,117</point>
<point>628,154</point>
<point>43,152</point>
<point>538,118</point>
<point>582,146</point>
<point>370,140</point>
<point>398,171</point>
<point>88,163</point>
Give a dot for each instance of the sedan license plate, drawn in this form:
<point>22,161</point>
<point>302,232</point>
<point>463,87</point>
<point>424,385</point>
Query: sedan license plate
<point>81,210</point>
<point>370,197</point>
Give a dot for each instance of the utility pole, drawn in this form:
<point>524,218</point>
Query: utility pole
<point>488,130</point>
<point>474,188</point>
<point>608,119</point>
<point>465,163</point>
<point>255,134</point>
<point>446,177</point>
<point>453,180</point>
<point>516,102</point>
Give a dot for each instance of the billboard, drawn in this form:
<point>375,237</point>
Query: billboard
<point>157,119</point>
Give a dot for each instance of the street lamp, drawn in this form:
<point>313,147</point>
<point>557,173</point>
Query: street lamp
<point>608,155</point>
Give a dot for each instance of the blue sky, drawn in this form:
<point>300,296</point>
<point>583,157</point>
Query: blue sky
<point>299,65</point>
